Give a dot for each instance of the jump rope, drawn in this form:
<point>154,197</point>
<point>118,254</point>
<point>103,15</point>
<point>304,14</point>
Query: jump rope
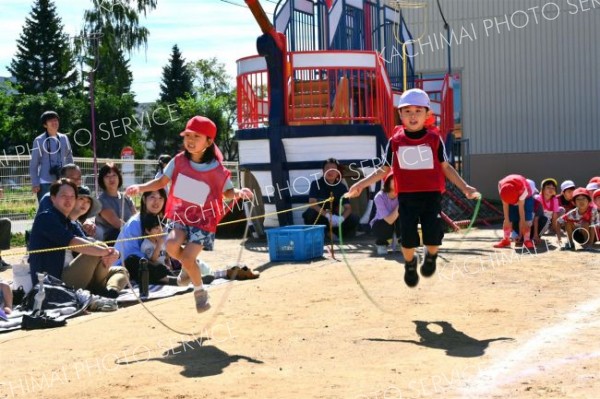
<point>225,295</point>
<point>355,276</point>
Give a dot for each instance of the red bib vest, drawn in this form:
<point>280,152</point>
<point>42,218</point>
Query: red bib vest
<point>196,198</point>
<point>416,166</point>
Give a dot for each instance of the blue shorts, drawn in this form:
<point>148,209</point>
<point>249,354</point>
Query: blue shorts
<point>197,236</point>
<point>513,211</point>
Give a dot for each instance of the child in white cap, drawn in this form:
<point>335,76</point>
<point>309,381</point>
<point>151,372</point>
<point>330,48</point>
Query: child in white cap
<point>418,159</point>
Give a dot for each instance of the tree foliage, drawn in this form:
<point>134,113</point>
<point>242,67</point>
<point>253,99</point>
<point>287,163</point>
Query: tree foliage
<point>215,99</point>
<point>44,60</point>
<point>177,78</point>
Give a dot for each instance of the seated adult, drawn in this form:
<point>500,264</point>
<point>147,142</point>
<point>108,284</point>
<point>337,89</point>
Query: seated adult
<point>53,231</point>
<point>386,221</point>
<point>117,208</point>
<point>86,207</point>
<point>5,227</point>
<point>73,173</point>
<point>153,207</point>
<point>330,184</point>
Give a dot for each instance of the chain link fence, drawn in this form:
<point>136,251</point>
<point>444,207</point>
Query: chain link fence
<point>19,204</point>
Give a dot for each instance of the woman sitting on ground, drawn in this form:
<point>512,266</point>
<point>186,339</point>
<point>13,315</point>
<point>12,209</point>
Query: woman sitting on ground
<point>116,207</point>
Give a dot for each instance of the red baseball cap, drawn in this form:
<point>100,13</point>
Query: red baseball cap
<point>581,191</point>
<point>509,191</point>
<point>200,125</point>
<point>596,194</point>
<point>595,179</point>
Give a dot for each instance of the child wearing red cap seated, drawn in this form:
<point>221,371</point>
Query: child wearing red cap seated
<point>517,205</point>
<point>580,222</point>
<point>199,182</point>
<point>551,206</point>
<point>420,167</point>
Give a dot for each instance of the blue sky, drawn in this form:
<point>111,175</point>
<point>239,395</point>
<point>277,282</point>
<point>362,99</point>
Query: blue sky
<point>201,29</point>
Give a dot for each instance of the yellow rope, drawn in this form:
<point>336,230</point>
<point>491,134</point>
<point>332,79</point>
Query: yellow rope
<point>104,243</point>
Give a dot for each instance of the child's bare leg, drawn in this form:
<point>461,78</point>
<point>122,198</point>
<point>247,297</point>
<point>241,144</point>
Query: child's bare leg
<point>175,239</point>
<point>188,262</point>
<point>570,228</point>
<point>432,249</point>
<point>408,254</point>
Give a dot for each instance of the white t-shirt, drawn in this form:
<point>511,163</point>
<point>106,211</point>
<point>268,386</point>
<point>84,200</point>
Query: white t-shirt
<point>147,249</point>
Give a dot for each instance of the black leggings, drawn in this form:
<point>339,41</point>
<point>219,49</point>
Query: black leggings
<point>383,231</point>
<point>156,271</point>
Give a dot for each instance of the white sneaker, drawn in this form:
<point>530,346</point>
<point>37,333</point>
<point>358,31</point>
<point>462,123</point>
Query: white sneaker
<point>382,250</point>
<point>183,279</point>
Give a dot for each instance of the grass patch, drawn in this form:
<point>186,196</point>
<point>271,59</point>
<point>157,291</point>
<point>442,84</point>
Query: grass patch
<point>17,240</point>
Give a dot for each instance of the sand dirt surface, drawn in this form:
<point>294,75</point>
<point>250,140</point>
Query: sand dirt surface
<point>489,324</point>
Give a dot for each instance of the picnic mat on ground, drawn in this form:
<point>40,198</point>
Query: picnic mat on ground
<point>15,319</point>
<point>157,291</point>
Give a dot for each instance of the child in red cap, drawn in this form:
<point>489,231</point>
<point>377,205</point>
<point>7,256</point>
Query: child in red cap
<point>420,167</point>
<point>199,182</point>
<point>517,205</point>
<point>580,222</point>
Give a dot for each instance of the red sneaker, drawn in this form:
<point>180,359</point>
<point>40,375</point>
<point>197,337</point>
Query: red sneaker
<point>504,243</point>
<point>529,244</point>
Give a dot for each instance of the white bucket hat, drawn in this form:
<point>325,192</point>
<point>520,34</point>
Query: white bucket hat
<point>416,97</point>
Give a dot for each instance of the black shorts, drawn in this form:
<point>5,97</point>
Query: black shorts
<point>424,208</point>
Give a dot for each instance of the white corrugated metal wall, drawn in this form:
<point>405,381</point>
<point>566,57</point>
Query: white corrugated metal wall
<point>530,71</point>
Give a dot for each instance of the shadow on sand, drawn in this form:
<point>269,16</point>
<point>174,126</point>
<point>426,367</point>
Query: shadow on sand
<point>454,342</point>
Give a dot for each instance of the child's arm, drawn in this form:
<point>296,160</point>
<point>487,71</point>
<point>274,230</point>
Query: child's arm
<point>366,181</point>
<point>556,227</point>
<point>522,222</point>
<point>506,223</point>
<point>152,185</point>
<point>234,193</point>
<point>536,233</point>
<point>452,175</point>
<point>111,217</point>
<point>156,253</point>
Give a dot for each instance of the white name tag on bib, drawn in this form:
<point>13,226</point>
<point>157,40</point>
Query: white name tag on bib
<point>191,190</point>
<point>416,157</point>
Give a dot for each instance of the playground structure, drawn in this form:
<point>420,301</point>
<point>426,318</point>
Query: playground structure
<point>324,84</point>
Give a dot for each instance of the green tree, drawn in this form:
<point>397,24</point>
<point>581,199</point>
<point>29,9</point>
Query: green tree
<point>115,23</point>
<point>177,79</point>
<point>44,60</point>
<point>113,71</point>
<point>214,87</point>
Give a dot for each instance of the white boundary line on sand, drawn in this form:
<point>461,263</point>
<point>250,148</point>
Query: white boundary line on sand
<point>501,373</point>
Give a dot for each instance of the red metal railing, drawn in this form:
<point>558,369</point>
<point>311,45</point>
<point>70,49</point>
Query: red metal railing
<point>339,87</point>
<point>442,100</point>
<point>252,93</point>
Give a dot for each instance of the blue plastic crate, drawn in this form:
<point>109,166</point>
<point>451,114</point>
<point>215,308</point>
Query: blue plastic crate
<point>295,243</point>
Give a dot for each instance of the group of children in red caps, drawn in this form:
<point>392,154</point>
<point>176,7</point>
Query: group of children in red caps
<point>529,213</point>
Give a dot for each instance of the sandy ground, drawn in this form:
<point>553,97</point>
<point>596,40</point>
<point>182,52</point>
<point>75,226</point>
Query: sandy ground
<point>489,324</point>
